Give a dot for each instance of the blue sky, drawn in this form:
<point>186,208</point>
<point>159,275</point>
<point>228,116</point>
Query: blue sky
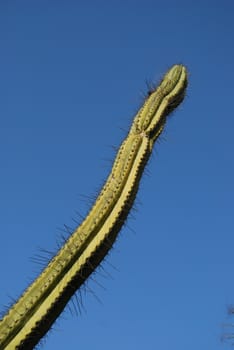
<point>72,75</point>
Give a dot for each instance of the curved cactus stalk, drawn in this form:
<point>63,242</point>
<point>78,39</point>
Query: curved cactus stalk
<point>28,320</point>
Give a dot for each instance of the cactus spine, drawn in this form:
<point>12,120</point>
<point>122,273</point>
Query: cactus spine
<point>28,320</point>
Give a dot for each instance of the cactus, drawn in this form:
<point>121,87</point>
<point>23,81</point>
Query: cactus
<point>29,319</point>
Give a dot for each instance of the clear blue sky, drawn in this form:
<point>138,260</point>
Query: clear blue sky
<point>72,75</point>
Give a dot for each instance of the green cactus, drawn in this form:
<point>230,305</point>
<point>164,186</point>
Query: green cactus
<point>29,319</point>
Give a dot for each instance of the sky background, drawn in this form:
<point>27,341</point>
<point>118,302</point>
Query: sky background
<point>72,76</point>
